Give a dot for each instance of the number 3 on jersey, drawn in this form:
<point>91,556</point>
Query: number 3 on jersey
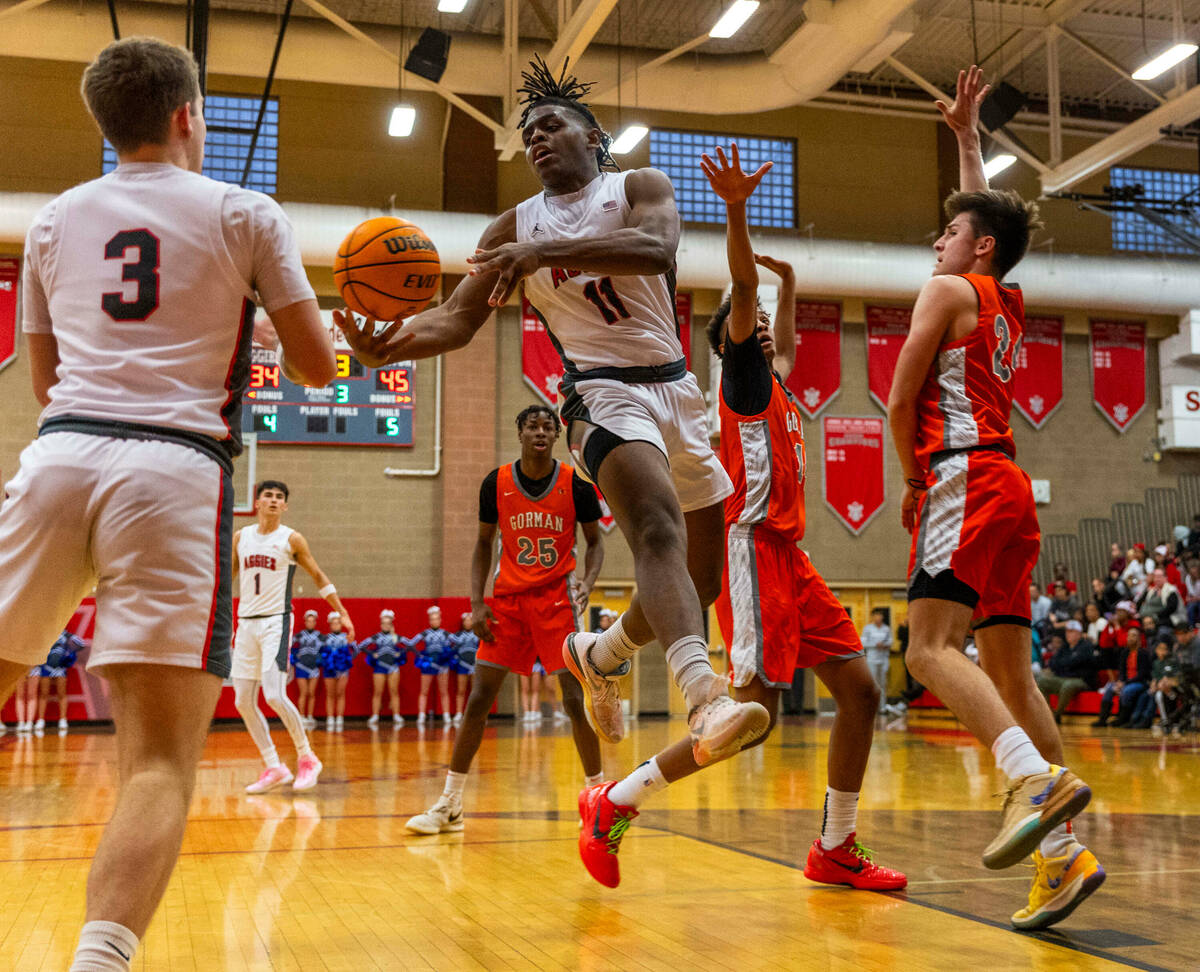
<point>141,269</point>
<point>546,555</point>
<point>1001,370</point>
<point>603,295</point>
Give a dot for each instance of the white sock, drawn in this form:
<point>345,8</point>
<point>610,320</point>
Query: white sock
<point>1058,842</point>
<point>104,946</point>
<point>689,664</point>
<point>454,786</point>
<point>841,817</point>
<point>1016,755</point>
<point>594,779</point>
<point>644,781</point>
<point>612,647</point>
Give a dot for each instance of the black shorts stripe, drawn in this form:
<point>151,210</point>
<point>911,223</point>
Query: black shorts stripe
<point>218,653</point>
<point>944,587</point>
<point>285,627</point>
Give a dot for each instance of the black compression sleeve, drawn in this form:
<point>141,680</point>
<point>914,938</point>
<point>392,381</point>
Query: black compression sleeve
<point>745,377</point>
<point>489,511</point>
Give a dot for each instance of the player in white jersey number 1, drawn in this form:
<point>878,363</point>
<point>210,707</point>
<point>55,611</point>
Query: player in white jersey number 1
<point>266,555</point>
<point>596,251</point>
<point>138,302</point>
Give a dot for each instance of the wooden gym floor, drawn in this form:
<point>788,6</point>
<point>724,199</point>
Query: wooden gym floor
<point>711,870</point>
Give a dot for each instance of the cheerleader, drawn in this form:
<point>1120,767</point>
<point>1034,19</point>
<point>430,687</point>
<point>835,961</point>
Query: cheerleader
<point>466,644</point>
<point>306,665</point>
<point>53,679</point>
<point>433,663</point>
<point>337,656</point>
<point>27,699</point>
<point>385,656</point>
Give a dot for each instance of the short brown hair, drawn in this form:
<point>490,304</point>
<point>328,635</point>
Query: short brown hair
<point>1001,214</point>
<point>135,85</point>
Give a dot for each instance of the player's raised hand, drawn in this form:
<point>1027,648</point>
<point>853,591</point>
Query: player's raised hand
<point>963,115</point>
<point>348,627</point>
<point>372,349</point>
<point>512,261</point>
<point>781,268</point>
<point>479,623</point>
<point>727,178</point>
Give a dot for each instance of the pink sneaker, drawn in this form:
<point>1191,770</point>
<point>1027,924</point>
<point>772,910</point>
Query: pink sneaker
<point>272,777</point>
<point>307,771</point>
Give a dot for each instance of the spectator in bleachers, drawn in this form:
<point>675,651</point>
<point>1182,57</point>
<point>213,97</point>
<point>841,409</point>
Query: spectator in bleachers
<point>1187,643</point>
<point>1063,574</point>
<point>1134,574</point>
<point>1063,606</point>
<point>1133,678</point>
<point>1193,537</point>
<point>1117,560</point>
<point>1115,591</point>
<point>1073,668</point>
<point>1164,677</point>
<point>1165,559</point>
<point>1191,593</point>
<point>877,643</point>
<point>1095,622</point>
<point>1162,602</point>
<point>1040,609</point>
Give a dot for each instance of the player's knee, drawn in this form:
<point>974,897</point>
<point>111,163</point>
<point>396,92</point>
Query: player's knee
<point>656,527</point>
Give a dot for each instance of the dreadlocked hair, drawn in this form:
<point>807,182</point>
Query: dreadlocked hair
<point>542,88</point>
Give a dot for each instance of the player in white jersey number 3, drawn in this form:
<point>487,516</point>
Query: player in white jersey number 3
<point>137,302</point>
<point>596,251</point>
<point>266,555</point>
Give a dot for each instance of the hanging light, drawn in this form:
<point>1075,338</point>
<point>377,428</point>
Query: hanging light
<point>452,6</point>
<point>1166,60</point>
<point>733,18</point>
<point>997,164</point>
<point>404,117</point>
<point>628,140</point>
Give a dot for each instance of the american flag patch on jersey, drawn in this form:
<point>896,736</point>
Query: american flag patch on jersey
<point>610,205</point>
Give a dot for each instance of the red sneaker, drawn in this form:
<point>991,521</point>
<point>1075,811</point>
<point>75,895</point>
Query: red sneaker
<point>602,825</point>
<point>850,863</point>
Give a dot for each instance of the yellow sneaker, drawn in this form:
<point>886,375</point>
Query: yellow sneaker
<point>1059,886</point>
<point>1033,806</point>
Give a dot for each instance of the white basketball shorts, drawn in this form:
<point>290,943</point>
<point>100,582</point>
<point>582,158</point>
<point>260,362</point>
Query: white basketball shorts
<point>261,645</point>
<point>146,523</point>
<point>669,415</point>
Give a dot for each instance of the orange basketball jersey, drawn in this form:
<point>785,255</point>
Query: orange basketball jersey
<point>764,456</point>
<point>537,533</point>
<point>967,397</point>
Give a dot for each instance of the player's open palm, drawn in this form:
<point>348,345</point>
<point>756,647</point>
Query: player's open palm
<point>963,115</point>
<point>372,349</point>
<point>727,178</point>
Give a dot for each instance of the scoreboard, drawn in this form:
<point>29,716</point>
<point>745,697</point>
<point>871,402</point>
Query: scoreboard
<point>361,406</point>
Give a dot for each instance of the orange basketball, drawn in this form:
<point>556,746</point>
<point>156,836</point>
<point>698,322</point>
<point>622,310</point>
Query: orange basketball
<point>387,268</point>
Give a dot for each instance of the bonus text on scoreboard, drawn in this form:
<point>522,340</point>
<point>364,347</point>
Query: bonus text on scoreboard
<point>361,406</point>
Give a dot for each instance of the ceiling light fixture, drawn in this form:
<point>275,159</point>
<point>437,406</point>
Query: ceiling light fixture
<point>1166,60</point>
<point>628,140</point>
<point>997,164</point>
<point>452,6</point>
<point>404,117</point>
<point>733,18</point>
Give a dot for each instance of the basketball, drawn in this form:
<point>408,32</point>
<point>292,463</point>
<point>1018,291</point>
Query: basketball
<point>387,268</point>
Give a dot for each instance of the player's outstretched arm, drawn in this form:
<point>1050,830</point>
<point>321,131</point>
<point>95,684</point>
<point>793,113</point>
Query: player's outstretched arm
<point>325,586</point>
<point>306,353</point>
<point>938,305</point>
<point>734,186</point>
<point>645,247</point>
<point>963,119</point>
<point>785,314</point>
<point>447,327</point>
<point>481,566</point>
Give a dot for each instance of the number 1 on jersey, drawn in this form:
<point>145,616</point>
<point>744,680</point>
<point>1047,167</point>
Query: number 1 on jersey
<point>604,296</point>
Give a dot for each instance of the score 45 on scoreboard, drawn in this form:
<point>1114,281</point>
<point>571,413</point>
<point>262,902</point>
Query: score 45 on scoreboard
<point>361,406</point>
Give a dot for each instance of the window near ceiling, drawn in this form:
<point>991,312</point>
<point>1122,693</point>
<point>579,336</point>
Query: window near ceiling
<point>230,120</point>
<point>1161,188</point>
<point>773,203</point>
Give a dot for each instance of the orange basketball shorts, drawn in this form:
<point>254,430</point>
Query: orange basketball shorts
<point>977,536</point>
<point>531,626</point>
<point>776,612</point>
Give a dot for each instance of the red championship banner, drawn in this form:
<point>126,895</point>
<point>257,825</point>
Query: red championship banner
<point>10,270</point>
<point>1038,380</point>
<point>1118,353</point>
<point>683,315</point>
<point>853,469</point>
<point>540,364</point>
<point>817,377</point>
<point>887,327</point>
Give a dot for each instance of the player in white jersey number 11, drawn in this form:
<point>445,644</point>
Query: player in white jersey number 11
<point>596,252</point>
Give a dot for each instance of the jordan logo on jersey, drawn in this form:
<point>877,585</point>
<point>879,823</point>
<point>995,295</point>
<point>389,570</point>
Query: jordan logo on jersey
<point>561,276</point>
<point>258,560</point>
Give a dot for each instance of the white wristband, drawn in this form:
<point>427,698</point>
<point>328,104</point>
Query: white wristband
<point>327,590</point>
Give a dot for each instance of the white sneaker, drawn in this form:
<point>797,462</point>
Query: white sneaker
<point>721,727</point>
<point>560,716</point>
<point>442,818</point>
<point>40,724</point>
<point>601,695</point>
<point>308,768</point>
<point>421,719</point>
<point>271,777</point>
<point>447,718</point>
<point>62,724</point>
<point>397,720</point>
<point>24,727</point>
<point>458,718</point>
<point>330,724</point>
<point>373,721</point>
<point>341,723</point>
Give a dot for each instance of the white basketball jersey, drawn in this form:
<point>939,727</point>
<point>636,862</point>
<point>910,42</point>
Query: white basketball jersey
<point>597,320</point>
<point>266,566</point>
<point>152,312</point>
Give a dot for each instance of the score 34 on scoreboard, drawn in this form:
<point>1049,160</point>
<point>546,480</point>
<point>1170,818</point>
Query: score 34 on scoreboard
<point>361,406</point>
